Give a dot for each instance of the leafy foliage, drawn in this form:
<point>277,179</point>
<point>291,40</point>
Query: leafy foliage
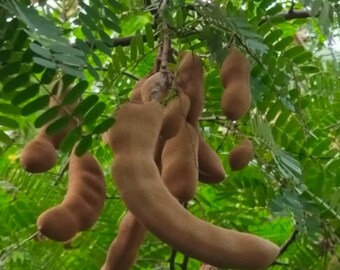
<point>103,47</point>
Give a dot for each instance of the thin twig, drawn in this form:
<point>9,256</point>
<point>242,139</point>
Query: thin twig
<point>290,241</point>
<point>224,138</point>
<point>172,259</point>
<point>15,247</point>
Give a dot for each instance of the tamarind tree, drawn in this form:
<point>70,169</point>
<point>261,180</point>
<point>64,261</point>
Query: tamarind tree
<point>98,50</point>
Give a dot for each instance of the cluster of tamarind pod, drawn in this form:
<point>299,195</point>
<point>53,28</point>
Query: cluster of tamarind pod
<point>86,191</point>
<point>159,155</point>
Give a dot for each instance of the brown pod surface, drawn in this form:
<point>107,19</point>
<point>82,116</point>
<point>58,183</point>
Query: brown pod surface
<point>82,204</point>
<point>38,155</point>
<point>179,163</point>
<point>135,94</point>
<point>124,249</point>
<point>154,87</point>
<point>211,170</point>
<point>235,77</point>
<point>236,100</point>
<point>133,139</point>
<point>241,155</point>
<point>235,67</point>
<point>175,114</point>
<point>190,80</point>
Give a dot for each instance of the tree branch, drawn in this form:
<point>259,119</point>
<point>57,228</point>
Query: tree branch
<point>290,241</point>
<point>290,15</point>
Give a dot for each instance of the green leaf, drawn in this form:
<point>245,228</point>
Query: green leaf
<point>121,55</point>
<point>86,105</point>
<point>48,76</point>
<point>93,72</point>
<point>75,93</point>
<point>273,36</point>
<point>179,17</point>
<point>84,145</point>
<point>310,69</point>
<point>294,51</point>
<point>149,35</point>
<point>46,117</point>
<point>8,122</point>
<point>274,10</point>
<point>303,57</point>
<point>72,71</point>
<point>140,43</point>
<point>70,140</point>
<point>58,125</point>
<point>283,43</point>
<point>5,138</point>
<point>96,60</point>
<point>6,108</point>
<point>87,32</point>
<point>16,82</point>
<point>9,69</point>
<point>35,105</point>
<point>115,62</point>
<point>94,113</point>
<point>133,49</point>
<point>24,95</point>
<point>103,47</point>
<point>112,25</point>
<point>70,59</point>
<point>45,63</point>
<point>115,4</point>
<point>40,51</point>
<point>87,20</point>
<point>104,126</point>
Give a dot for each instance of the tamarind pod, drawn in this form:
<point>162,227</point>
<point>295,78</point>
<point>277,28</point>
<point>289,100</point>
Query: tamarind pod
<point>158,152</point>
<point>175,114</point>
<point>241,155</point>
<point>235,67</point>
<point>179,163</point>
<point>236,99</point>
<point>124,249</point>
<point>154,87</point>
<point>190,80</point>
<point>135,94</point>
<point>82,204</point>
<point>39,155</point>
<point>211,170</point>
<point>139,183</point>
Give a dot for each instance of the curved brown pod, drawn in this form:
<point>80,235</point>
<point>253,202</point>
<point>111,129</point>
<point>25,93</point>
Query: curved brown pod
<point>179,164</point>
<point>190,80</point>
<point>241,155</point>
<point>211,170</point>
<point>135,94</point>
<point>33,158</point>
<point>235,77</point>
<point>175,114</point>
<point>124,249</point>
<point>154,87</point>
<point>140,185</point>
<point>82,204</point>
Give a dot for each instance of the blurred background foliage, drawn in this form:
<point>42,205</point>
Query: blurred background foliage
<point>291,189</point>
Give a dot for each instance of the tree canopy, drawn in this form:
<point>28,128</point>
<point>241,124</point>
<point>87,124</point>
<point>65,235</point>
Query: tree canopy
<point>290,191</point>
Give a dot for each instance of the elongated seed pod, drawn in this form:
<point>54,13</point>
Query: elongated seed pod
<point>235,77</point>
<point>241,155</point>
<point>179,164</point>
<point>124,249</point>
<point>190,80</point>
<point>154,87</point>
<point>133,139</point>
<point>136,91</point>
<point>211,170</point>
<point>82,204</point>
<point>40,155</point>
<point>174,115</point>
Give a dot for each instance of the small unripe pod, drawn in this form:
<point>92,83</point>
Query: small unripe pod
<point>241,155</point>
